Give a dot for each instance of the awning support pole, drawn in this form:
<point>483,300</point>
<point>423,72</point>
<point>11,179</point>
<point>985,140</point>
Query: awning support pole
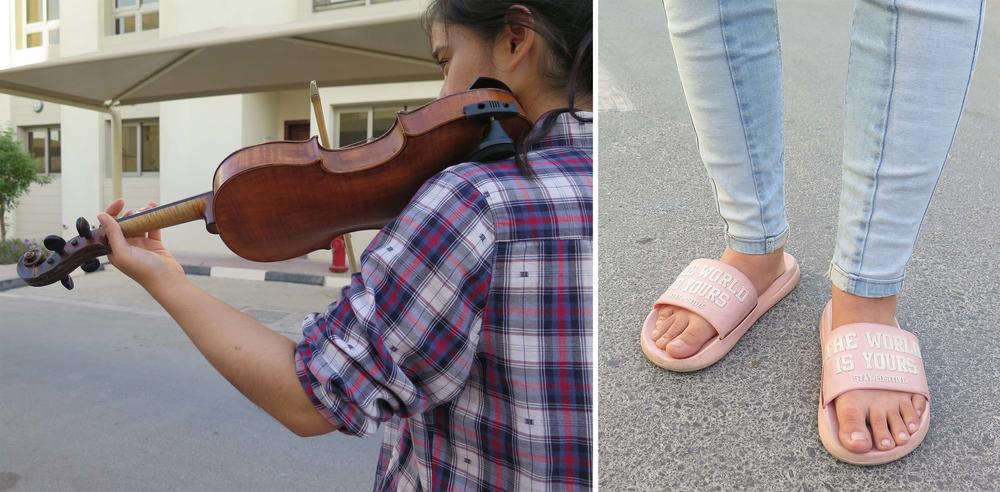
<point>324,138</point>
<point>116,150</point>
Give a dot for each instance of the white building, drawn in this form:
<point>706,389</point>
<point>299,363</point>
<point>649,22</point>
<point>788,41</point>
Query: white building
<point>172,148</point>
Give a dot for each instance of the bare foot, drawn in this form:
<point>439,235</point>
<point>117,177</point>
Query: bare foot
<point>681,333</point>
<point>880,418</point>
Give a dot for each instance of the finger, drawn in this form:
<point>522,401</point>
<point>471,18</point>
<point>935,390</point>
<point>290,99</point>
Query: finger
<point>115,207</point>
<point>113,232</point>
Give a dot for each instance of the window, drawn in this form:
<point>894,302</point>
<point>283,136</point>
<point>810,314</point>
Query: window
<point>136,15</point>
<point>44,145</point>
<point>141,147</point>
<point>355,125</point>
<point>319,5</point>
<point>41,23</point>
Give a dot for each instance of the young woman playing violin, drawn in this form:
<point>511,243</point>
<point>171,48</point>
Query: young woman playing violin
<point>467,334</point>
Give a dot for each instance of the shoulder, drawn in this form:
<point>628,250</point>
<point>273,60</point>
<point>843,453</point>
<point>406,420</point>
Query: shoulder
<point>550,166</point>
<point>451,190</point>
<point>447,206</point>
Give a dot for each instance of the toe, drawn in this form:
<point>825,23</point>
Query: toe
<point>919,404</point>
<point>909,415</point>
<point>853,431</point>
<point>896,426</point>
<point>677,325</point>
<point>691,339</point>
<point>880,429</point>
<point>663,318</point>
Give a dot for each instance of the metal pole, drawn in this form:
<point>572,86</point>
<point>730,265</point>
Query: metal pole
<point>324,138</point>
<point>116,151</point>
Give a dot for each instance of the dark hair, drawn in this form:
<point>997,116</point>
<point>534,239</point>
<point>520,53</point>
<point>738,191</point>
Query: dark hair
<point>566,26</point>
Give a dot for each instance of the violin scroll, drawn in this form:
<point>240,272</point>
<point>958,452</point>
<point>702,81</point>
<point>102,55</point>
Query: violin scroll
<point>38,268</point>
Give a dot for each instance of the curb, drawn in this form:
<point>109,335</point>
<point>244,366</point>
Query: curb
<point>13,283</point>
<point>226,272</point>
<point>267,276</point>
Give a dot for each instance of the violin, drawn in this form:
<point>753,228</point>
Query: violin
<point>283,199</point>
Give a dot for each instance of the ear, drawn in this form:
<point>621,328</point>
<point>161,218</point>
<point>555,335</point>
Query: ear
<point>517,42</point>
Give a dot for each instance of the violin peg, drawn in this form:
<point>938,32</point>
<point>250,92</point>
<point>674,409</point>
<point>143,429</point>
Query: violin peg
<point>91,265</point>
<point>83,228</point>
<point>67,282</point>
<point>54,243</point>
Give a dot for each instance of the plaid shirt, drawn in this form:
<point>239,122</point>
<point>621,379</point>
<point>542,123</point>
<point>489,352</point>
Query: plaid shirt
<point>468,331</point>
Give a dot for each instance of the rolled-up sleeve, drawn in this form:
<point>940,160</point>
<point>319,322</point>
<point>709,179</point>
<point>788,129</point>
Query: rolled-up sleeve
<point>402,337</point>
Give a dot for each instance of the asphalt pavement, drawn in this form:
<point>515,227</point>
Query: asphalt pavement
<point>749,422</point>
<point>101,390</point>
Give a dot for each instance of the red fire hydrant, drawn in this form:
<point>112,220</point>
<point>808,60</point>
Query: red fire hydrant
<point>339,262</point>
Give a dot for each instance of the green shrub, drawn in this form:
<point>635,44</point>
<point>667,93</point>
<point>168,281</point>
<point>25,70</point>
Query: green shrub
<point>12,249</point>
<point>17,173</point>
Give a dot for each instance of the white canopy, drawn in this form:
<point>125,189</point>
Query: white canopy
<point>355,49</point>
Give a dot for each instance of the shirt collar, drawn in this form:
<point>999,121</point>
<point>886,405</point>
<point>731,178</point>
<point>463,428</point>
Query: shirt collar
<point>568,132</point>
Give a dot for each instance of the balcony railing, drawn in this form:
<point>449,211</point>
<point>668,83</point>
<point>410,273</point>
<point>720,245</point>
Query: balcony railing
<point>319,5</point>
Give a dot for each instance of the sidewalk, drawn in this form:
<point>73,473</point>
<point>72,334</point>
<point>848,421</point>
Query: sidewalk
<point>9,278</point>
<point>298,270</point>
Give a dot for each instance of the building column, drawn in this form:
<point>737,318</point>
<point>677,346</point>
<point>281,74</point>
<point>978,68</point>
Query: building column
<point>82,168</point>
<point>195,136</point>
<point>82,129</point>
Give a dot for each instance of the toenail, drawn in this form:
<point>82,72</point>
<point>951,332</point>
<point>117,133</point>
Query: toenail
<point>678,343</point>
<point>858,436</point>
<point>886,443</point>
<point>919,412</point>
<point>912,427</point>
<point>903,436</point>
<point>656,333</point>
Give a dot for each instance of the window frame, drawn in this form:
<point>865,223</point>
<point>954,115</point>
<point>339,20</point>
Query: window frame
<point>44,27</point>
<point>137,124</point>
<point>370,109</point>
<point>47,158</point>
<point>142,7</point>
<point>324,5</point>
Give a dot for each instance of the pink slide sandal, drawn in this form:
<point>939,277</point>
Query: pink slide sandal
<point>726,298</point>
<point>868,356</point>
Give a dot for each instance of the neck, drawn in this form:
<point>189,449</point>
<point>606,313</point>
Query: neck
<point>535,105</point>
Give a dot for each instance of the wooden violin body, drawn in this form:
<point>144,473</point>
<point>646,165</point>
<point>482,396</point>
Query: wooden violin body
<point>280,200</point>
<point>301,195</point>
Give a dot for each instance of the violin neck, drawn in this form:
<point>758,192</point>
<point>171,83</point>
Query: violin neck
<point>179,212</point>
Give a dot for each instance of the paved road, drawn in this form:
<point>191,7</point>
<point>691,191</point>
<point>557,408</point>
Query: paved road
<point>100,390</point>
<point>750,421</point>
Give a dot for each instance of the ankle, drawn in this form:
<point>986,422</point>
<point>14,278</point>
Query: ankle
<point>761,269</point>
<point>849,308</point>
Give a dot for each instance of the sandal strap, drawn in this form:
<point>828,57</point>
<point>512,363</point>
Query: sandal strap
<point>872,356</point>
<point>714,290</point>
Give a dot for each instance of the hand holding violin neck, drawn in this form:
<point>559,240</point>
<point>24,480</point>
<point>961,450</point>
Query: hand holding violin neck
<point>179,212</point>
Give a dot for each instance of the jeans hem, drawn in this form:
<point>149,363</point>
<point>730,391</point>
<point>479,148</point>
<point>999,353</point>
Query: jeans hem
<point>864,287</point>
<point>757,246</point>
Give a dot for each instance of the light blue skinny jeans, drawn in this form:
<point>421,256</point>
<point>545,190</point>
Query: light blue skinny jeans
<point>908,75</point>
